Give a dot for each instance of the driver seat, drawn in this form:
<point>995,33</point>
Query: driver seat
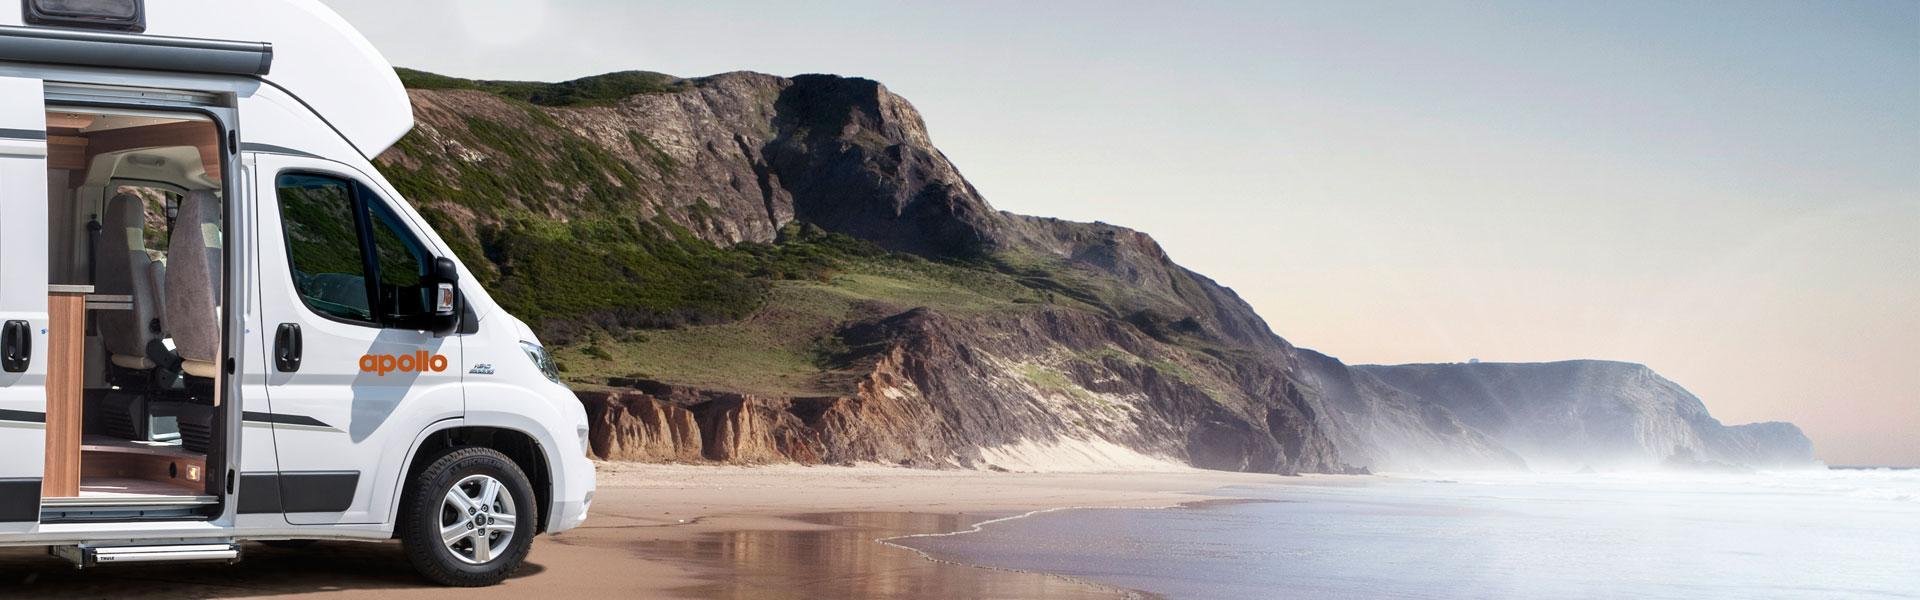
<point>127,269</point>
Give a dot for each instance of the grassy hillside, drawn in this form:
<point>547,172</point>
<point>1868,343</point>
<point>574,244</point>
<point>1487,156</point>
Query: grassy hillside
<point>623,296</point>
<point>788,346</point>
<point>560,230</point>
<point>575,235</point>
<point>588,91</point>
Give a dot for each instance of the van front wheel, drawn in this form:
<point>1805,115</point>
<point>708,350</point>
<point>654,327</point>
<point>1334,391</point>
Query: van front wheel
<point>469,518</point>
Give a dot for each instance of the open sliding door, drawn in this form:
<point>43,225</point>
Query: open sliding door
<point>23,301</point>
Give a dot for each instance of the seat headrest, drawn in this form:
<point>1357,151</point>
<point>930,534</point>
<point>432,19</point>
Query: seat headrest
<point>122,230</point>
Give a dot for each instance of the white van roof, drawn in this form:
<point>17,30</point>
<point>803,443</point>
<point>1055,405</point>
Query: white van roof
<point>315,56</point>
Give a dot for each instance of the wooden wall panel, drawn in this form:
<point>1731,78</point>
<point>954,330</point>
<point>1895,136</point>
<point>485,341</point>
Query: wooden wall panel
<point>67,152</point>
<point>66,373</point>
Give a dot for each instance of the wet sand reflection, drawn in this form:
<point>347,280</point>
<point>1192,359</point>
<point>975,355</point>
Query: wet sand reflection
<point>826,556</point>
<point>843,560</point>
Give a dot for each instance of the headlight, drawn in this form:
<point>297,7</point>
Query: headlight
<point>540,360</point>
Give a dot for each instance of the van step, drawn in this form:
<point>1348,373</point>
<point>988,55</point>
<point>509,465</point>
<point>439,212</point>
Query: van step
<point>88,556</point>
<point>124,507</point>
<point>127,500</point>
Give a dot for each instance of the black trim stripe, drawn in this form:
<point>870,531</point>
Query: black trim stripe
<point>35,135</point>
<point>318,491</point>
<point>23,416</point>
<point>259,493</point>
<point>20,500</point>
<point>282,419</point>
<point>298,492</point>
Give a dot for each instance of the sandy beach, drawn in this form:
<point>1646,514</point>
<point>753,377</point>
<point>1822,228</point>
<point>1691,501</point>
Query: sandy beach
<point>682,531</point>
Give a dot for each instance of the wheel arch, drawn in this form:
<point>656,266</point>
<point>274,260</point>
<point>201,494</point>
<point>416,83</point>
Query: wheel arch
<point>519,446</point>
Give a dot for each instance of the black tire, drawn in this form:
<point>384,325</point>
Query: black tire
<point>423,512</point>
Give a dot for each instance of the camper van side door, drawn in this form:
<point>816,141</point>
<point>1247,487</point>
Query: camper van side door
<point>23,301</point>
<point>343,283</point>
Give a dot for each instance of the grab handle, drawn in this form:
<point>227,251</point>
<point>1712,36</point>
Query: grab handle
<point>16,346</point>
<point>287,347</point>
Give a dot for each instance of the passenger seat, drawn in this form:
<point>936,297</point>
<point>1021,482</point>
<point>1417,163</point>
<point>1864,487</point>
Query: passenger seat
<point>194,285</point>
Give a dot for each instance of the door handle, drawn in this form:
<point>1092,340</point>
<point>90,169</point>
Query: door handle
<point>16,346</point>
<point>286,347</point>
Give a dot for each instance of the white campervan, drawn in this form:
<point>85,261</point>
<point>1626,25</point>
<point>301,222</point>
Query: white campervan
<point>218,322</point>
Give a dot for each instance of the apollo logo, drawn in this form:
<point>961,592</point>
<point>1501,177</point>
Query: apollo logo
<point>418,362</point>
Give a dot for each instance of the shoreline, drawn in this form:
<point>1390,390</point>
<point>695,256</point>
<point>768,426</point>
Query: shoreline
<point>973,580</point>
<point>1122,591</point>
<point>977,526</point>
<point>699,531</point>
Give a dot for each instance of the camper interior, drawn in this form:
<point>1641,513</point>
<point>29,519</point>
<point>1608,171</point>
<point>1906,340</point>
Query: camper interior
<point>135,227</point>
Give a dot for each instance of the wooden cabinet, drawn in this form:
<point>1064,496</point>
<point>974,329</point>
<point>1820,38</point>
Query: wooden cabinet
<point>66,378</point>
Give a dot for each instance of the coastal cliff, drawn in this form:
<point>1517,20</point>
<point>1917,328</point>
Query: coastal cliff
<point>1591,413</point>
<point>751,268</point>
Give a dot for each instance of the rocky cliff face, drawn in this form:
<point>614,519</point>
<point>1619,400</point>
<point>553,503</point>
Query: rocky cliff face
<point>1386,428</point>
<point>752,268</point>
<point>1602,414</point>
<point>1050,388</point>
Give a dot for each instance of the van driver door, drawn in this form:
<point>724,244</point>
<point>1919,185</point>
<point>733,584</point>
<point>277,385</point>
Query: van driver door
<point>23,301</point>
<point>350,384</point>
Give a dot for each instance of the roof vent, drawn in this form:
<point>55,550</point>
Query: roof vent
<point>113,15</point>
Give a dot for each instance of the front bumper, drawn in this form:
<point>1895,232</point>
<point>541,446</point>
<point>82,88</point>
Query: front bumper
<point>568,514</point>
<point>570,504</point>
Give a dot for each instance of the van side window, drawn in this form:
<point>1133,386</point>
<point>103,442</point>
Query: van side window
<point>340,236</point>
<point>402,263</point>
<point>323,245</point>
<point>160,204</point>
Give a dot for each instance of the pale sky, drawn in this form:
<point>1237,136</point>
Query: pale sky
<point>1726,192</point>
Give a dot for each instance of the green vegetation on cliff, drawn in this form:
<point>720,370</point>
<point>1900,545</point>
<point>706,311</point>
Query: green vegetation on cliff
<point>790,346</point>
<point>586,91</point>
<point>588,240</point>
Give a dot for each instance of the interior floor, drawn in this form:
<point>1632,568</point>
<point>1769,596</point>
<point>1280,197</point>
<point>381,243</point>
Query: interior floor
<point>111,466</point>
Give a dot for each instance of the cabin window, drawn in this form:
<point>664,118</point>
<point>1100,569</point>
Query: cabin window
<point>316,212</point>
<point>340,236</point>
<point>402,263</point>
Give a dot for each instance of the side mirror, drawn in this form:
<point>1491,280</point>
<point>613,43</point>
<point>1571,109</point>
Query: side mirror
<point>443,282</point>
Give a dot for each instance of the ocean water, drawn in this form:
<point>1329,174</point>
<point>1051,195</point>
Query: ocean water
<point>1810,534</point>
